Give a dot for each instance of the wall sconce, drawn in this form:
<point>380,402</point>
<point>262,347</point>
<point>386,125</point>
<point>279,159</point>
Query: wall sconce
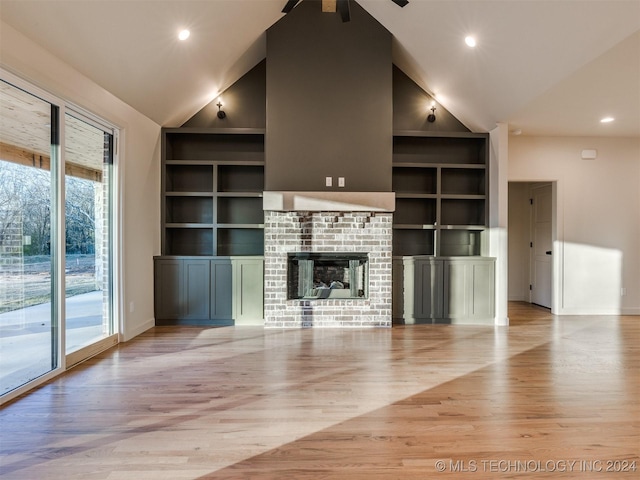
<point>221,113</point>
<point>432,116</point>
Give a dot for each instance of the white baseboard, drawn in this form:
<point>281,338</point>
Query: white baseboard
<point>598,311</point>
<point>630,311</point>
<point>132,333</point>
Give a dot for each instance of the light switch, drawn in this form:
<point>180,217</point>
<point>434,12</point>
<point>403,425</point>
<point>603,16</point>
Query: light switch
<point>328,181</point>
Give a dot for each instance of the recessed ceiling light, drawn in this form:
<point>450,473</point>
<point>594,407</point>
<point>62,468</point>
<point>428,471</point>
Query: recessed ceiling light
<point>607,120</point>
<point>470,41</point>
<point>184,34</point>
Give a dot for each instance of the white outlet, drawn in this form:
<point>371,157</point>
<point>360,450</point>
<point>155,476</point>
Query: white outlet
<point>623,292</point>
<point>328,181</point>
<point>341,181</point>
<point>132,307</point>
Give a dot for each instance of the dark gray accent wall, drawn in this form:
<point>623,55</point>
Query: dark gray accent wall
<point>244,103</point>
<point>411,107</point>
<point>329,101</point>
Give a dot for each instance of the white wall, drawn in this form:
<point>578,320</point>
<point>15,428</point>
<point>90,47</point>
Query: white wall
<point>598,218</point>
<point>139,164</point>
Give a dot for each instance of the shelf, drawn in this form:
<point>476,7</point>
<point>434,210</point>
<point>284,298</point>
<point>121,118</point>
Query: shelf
<point>189,178</point>
<point>435,134</point>
<point>189,241</point>
<point>188,225</point>
<point>459,242</point>
<point>209,145</point>
<point>479,228</point>
<point>462,212</point>
<point>415,211</point>
<point>440,150</point>
<point>413,226</point>
<point>240,210</point>
<point>188,194</point>
<point>240,241</point>
<point>240,178</point>
<point>462,181</point>
<point>189,210</point>
<point>461,196</point>
<point>417,195</point>
<point>413,242</point>
<point>239,194</point>
<point>414,180</point>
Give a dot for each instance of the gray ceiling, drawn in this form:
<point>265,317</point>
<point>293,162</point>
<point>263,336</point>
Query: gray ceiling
<point>546,67</point>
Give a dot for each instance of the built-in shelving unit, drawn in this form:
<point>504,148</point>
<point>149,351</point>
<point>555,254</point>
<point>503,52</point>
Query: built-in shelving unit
<point>441,185</point>
<point>211,268</point>
<point>212,186</point>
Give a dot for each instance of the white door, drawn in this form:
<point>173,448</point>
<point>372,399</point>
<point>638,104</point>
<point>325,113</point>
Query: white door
<point>541,245</point>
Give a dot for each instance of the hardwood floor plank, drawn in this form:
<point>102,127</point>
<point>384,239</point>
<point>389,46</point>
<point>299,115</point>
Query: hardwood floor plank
<point>248,403</point>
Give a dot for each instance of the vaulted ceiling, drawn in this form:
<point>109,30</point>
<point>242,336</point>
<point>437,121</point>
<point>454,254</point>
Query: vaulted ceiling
<point>551,67</point>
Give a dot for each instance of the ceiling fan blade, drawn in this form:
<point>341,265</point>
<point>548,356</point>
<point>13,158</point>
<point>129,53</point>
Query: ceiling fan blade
<point>289,6</point>
<point>344,9</point>
<point>400,3</point>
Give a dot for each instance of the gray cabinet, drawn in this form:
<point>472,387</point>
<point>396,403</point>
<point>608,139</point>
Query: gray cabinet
<point>445,290</point>
<point>196,286</point>
<point>208,291</point>
<point>221,292</point>
<point>248,291</point>
<point>169,287</point>
<point>469,289</point>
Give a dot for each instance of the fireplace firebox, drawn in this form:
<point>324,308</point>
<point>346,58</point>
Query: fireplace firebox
<point>315,276</point>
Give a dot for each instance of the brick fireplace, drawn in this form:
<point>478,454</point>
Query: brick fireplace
<point>338,223</point>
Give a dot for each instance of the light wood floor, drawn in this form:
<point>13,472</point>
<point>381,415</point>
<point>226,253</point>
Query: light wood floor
<point>248,403</point>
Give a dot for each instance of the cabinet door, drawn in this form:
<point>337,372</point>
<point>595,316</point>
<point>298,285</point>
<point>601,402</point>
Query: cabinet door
<point>483,301</point>
<point>428,284</point>
<point>196,289</point>
<point>457,289</point>
<point>248,291</point>
<point>469,289</point>
<point>423,278</point>
<point>397,289</point>
<point>221,290</point>
<point>168,289</point>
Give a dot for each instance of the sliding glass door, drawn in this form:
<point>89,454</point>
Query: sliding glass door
<point>28,333</point>
<point>56,235</point>
<point>88,161</point>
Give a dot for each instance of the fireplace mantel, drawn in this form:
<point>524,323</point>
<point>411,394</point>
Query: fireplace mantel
<point>328,201</point>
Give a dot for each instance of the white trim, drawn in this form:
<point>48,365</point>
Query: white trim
<point>150,323</point>
<point>59,234</point>
<point>21,390</point>
<point>29,87</point>
<point>90,118</point>
<point>598,311</point>
<point>85,353</point>
<point>119,166</point>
